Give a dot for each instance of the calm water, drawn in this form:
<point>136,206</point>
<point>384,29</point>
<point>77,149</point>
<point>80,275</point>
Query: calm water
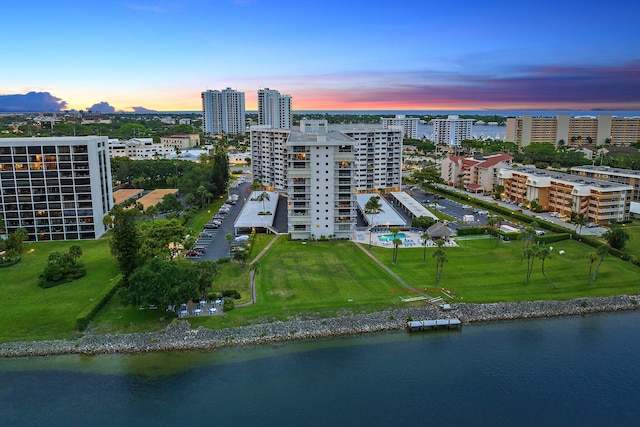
<point>568,371</point>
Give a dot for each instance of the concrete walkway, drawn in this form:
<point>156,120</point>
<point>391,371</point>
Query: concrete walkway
<point>252,273</point>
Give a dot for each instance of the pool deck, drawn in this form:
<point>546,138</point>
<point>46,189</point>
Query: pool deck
<point>412,240</point>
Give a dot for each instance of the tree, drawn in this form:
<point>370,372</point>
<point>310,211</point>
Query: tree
<point>441,257</point>
<point>229,237</point>
<point>602,251</point>
<point>373,207</point>
<point>396,242</point>
<point>422,222</point>
<point>543,254</point>
<point>492,221</point>
<point>161,238</point>
<point>75,252</point>
<point>261,198</point>
<point>124,241</point>
<point>17,238</point>
<point>579,220</point>
<point>425,238</point>
<point>617,237</point>
<point>169,203</point>
<point>201,192</point>
<point>592,257</point>
<point>161,283</point>
<point>530,254</point>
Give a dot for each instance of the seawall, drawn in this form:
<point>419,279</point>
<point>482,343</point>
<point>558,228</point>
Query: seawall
<point>179,335</point>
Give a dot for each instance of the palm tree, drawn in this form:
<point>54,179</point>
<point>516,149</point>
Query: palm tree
<point>373,207</point>
<point>229,238</point>
<point>580,222</point>
<point>602,251</point>
<point>425,237</point>
<point>201,192</point>
<point>592,257</point>
<point>527,239</point>
<point>441,257</point>
<point>261,198</point>
<point>491,222</point>
<point>543,254</point>
<point>396,243</point>
<point>530,254</point>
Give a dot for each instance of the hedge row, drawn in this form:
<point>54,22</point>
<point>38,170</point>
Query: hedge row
<point>86,315</point>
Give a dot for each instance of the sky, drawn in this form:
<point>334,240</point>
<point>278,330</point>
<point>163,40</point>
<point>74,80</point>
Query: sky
<point>138,55</point>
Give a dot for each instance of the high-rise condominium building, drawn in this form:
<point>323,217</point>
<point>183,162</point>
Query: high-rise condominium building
<point>223,112</point>
<point>409,125</point>
<point>321,170</point>
<point>274,109</point>
<point>573,131</point>
<point>452,130</point>
<point>56,188</point>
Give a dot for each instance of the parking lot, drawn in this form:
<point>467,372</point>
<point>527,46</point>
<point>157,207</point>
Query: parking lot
<point>459,211</point>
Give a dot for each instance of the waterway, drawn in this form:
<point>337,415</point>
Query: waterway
<point>559,371</point>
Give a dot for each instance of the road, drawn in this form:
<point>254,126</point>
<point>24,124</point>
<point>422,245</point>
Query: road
<point>219,247</point>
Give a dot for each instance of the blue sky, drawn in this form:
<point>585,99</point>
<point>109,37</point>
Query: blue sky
<point>421,55</point>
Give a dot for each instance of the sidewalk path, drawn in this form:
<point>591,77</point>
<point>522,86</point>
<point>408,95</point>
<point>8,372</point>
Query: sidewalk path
<point>252,273</point>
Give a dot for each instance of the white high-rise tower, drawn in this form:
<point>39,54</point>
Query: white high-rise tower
<point>274,109</point>
<point>223,112</point>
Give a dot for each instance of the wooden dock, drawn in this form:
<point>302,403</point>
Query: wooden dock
<point>430,325</point>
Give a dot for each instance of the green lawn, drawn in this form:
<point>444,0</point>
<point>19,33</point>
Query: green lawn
<point>32,313</point>
<point>481,272</point>
<point>325,278</point>
<point>633,245</point>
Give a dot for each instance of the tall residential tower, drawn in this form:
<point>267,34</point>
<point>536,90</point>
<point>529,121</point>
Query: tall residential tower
<point>56,188</point>
<point>223,112</point>
<point>274,109</point>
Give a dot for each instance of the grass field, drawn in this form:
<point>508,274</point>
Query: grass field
<point>481,272</point>
<point>325,278</point>
<point>32,313</point>
<point>633,245</point>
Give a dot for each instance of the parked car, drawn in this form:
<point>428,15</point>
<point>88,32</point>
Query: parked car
<point>591,225</point>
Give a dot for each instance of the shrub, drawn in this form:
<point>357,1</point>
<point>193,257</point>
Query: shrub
<point>229,304</point>
<point>550,238</point>
<point>467,231</point>
<point>8,262</point>
<point>231,293</point>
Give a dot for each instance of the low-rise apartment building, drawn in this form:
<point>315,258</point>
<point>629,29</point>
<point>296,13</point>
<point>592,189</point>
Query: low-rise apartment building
<point>181,142</point>
<point>477,173</point>
<point>601,202</point>
<point>605,173</point>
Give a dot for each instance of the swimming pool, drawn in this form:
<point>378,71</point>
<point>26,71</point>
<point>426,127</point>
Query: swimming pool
<point>389,237</point>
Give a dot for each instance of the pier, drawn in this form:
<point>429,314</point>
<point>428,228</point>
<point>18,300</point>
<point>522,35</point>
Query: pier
<point>429,325</point>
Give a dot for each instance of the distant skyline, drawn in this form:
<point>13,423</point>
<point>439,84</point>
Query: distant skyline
<point>138,55</point>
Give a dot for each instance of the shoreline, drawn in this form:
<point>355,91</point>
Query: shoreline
<point>178,336</point>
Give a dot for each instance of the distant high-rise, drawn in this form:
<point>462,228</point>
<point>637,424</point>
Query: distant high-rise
<point>274,109</point>
<point>409,125</point>
<point>223,112</point>
<point>452,130</point>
